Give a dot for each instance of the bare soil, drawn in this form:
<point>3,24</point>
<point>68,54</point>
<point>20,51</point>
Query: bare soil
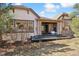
<point>65,47</point>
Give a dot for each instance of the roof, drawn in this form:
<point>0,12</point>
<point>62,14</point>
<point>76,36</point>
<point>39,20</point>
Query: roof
<point>56,16</point>
<point>64,15</point>
<point>26,8</point>
<point>44,18</point>
<point>48,19</point>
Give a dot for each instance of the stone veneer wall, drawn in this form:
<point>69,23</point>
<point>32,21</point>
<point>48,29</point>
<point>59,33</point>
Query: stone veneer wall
<point>11,37</point>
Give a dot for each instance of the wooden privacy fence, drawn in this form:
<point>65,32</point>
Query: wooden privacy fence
<point>12,37</point>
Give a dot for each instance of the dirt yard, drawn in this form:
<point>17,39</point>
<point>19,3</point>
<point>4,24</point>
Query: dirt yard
<point>65,47</point>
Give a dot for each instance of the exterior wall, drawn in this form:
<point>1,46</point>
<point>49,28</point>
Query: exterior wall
<point>21,14</point>
<point>12,37</point>
<point>50,27</point>
<point>67,22</point>
<point>67,29</point>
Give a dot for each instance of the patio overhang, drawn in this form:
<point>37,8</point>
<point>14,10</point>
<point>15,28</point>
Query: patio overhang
<point>49,20</point>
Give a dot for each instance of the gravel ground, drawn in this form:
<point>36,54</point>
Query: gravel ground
<point>65,47</point>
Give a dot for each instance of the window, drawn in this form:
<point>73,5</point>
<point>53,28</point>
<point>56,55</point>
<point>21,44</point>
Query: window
<point>25,26</point>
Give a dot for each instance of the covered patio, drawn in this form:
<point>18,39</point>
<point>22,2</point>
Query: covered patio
<point>45,26</point>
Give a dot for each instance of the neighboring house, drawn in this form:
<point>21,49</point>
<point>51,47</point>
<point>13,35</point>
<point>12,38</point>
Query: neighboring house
<point>28,21</point>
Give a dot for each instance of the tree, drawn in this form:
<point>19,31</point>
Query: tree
<point>75,25</point>
<point>75,19</point>
<point>5,18</point>
<point>76,6</point>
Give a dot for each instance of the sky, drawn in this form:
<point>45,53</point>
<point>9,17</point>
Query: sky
<point>49,10</point>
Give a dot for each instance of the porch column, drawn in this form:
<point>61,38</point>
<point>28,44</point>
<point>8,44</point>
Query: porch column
<point>35,27</point>
<point>59,27</point>
<point>39,28</point>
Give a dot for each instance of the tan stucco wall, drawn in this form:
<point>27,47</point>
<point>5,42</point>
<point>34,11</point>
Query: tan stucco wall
<point>21,14</point>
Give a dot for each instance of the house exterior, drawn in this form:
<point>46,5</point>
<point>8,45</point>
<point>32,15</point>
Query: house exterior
<point>28,21</point>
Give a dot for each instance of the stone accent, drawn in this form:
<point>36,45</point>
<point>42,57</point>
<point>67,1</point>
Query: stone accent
<point>11,37</point>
